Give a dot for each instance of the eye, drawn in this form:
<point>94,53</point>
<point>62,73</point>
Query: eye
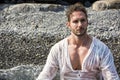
<point>83,20</point>
<point>75,21</point>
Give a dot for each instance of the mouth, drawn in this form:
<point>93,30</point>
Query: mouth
<point>80,30</point>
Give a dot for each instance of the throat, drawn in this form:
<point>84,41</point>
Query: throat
<point>80,41</point>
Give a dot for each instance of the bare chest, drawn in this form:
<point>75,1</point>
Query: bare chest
<point>77,56</point>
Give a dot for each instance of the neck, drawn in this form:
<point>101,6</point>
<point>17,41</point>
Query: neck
<point>79,41</point>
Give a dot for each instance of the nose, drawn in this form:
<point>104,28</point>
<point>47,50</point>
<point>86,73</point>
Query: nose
<point>79,23</point>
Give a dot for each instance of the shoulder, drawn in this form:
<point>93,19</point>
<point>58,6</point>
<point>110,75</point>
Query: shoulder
<point>101,48</point>
<point>57,49</point>
<point>60,43</point>
<point>99,44</point>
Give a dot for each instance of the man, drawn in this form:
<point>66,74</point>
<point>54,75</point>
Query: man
<point>79,56</point>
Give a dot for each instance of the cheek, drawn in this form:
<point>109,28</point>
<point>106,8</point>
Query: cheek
<point>85,24</point>
<point>73,24</point>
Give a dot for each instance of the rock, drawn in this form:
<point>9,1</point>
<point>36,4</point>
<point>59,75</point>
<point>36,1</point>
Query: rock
<point>100,5</point>
<point>106,4</point>
<point>114,4</point>
<point>23,72</point>
<point>27,31</point>
<point>87,3</point>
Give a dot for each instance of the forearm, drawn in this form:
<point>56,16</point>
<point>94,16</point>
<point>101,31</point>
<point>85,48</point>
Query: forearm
<point>48,73</point>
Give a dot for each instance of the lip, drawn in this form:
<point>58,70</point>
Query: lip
<point>81,29</point>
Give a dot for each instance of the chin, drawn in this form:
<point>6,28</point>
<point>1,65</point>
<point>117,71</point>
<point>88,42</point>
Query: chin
<point>81,34</point>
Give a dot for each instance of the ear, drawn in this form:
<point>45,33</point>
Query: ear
<point>68,24</point>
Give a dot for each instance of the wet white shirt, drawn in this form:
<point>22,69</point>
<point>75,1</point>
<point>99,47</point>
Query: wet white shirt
<point>98,60</point>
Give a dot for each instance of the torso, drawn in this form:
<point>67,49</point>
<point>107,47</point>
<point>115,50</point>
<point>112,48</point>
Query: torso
<point>77,55</point>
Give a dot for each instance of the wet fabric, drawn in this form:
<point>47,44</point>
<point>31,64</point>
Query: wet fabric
<point>99,60</point>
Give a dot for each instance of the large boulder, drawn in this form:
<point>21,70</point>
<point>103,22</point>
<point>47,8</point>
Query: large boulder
<point>106,4</point>
<point>27,32</point>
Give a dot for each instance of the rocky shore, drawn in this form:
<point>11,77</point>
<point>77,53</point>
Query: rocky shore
<point>27,32</point>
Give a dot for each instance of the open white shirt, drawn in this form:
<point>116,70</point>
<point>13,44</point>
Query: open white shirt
<point>98,60</point>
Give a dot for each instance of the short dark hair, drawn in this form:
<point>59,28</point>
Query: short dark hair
<point>75,7</point>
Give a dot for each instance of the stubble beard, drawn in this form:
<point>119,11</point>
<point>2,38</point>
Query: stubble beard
<point>79,34</point>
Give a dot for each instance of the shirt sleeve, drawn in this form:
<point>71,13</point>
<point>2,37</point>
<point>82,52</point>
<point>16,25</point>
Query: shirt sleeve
<point>50,69</point>
<point>107,66</point>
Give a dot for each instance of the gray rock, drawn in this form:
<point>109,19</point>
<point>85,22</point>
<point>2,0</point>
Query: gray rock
<point>28,31</point>
<point>23,72</point>
<point>106,4</point>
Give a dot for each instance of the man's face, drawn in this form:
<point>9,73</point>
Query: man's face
<point>78,23</point>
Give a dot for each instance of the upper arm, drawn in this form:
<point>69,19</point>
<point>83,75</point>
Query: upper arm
<point>51,66</point>
<point>107,66</point>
